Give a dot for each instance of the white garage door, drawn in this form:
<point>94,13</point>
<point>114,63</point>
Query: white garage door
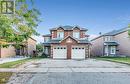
<point>78,52</point>
<point>60,52</point>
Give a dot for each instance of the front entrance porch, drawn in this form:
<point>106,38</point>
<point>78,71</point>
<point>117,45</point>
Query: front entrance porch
<point>47,49</point>
<point>110,48</point>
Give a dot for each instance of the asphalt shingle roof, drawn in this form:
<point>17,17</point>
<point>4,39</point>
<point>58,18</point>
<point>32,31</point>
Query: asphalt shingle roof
<point>46,44</point>
<point>80,41</point>
<point>114,32</point>
<point>83,41</point>
<point>111,43</point>
<point>67,27</point>
<point>55,41</point>
<point>47,35</point>
<point>58,41</point>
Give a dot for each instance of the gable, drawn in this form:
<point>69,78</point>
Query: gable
<point>60,29</point>
<point>76,28</point>
<point>69,39</point>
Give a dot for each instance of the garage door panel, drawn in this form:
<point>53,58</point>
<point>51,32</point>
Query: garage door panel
<point>60,52</point>
<point>78,52</point>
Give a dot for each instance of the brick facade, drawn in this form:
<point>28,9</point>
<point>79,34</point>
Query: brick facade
<point>68,40</point>
<point>68,33</point>
<point>54,34</point>
<point>69,47</point>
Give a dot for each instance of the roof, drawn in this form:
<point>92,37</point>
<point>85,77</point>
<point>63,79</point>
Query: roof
<point>113,33</point>
<point>47,35</point>
<point>33,39</point>
<point>55,41</point>
<point>70,37</point>
<point>46,44</point>
<point>68,27</point>
<point>84,41</point>
<point>111,43</point>
<point>79,41</point>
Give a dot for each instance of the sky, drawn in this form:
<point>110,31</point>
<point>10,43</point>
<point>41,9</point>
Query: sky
<point>95,15</point>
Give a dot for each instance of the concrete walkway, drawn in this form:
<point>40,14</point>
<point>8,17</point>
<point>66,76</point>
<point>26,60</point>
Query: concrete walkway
<point>90,65</point>
<point>44,70</point>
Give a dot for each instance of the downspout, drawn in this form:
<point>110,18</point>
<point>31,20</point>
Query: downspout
<point>107,50</point>
<point>89,50</point>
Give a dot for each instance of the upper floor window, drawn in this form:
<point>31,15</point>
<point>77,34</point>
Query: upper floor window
<point>107,38</point>
<point>60,34</point>
<point>76,34</point>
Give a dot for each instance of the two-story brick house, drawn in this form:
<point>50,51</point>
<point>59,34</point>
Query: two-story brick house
<point>114,43</point>
<point>67,42</point>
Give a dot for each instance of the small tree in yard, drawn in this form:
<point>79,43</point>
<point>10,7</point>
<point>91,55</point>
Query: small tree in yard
<point>39,47</point>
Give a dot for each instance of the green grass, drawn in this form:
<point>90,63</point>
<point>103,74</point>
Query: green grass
<point>15,64</point>
<point>125,60</point>
<point>4,77</point>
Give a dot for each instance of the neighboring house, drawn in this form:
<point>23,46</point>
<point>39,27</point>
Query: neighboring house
<point>26,48</point>
<point>114,43</point>
<point>67,42</point>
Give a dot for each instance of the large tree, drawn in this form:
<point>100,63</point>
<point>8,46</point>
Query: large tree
<point>21,25</point>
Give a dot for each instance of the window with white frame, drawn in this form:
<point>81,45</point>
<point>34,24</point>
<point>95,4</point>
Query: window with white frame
<point>60,35</point>
<point>113,49</point>
<point>76,34</point>
<point>107,38</point>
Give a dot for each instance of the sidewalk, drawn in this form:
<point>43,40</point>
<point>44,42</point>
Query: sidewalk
<point>4,60</point>
<point>39,70</point>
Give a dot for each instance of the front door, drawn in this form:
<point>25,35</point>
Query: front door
<point>113,50</point>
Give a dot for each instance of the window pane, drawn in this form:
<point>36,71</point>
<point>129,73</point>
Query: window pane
<point>76,34</point>
<point>60,34</point>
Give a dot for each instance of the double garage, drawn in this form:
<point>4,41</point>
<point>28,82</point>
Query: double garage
<point>75,52</point>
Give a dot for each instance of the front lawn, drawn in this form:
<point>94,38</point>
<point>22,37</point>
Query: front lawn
<point>125,60</point>
<point>4,77</point>
<point>13,64</point>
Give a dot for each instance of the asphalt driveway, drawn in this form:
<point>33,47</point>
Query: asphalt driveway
<point>90,71</point>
